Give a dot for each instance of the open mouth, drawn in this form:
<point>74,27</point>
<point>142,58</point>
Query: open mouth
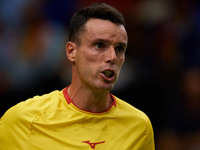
<point>108,73</point>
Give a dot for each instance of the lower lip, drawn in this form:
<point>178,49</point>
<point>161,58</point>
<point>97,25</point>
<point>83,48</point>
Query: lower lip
<point>108,78</point>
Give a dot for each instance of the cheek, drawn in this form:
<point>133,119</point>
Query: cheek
<point>86,66</point>
<point>121,61</point>
<point>119,64</point>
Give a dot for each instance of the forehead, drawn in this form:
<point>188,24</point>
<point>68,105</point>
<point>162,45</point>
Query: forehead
<point>105,29</point>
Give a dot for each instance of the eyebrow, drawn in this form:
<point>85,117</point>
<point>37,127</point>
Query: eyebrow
<point>107,41</point>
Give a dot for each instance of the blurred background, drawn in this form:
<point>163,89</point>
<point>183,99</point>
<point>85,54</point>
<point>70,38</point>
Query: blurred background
<point>161,75</point>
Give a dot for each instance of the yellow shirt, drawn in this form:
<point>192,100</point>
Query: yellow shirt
<point>53,122</point>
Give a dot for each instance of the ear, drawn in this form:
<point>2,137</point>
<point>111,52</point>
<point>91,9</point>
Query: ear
<point>71,51</point>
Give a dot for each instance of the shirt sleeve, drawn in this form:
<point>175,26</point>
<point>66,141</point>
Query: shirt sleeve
<point>15,127</point>
<point>149,142</point>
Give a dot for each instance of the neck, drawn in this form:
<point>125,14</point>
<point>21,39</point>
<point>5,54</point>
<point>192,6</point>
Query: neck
<point>90,100</point>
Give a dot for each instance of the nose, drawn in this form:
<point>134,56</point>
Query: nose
<point>111,55</point>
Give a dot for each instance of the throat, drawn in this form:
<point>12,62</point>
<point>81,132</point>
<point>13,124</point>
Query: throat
<point>100,105</point>
<point>89,101</point>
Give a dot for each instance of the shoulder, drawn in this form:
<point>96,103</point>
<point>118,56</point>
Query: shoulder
<point>132,111</point>
<point>138,119</point>
<point>16,123</point>
<point>28,109</point>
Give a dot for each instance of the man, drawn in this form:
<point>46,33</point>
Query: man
<point>84,115</point>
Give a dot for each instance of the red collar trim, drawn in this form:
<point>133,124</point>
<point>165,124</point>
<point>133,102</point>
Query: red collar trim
<point>69,100</point>
<point>66,95</point>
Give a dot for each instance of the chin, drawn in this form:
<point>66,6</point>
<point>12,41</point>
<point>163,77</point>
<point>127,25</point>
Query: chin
<point>107,87</point>
<point>103,86</point>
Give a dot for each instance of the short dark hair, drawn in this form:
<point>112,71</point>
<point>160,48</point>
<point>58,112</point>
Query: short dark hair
<point>99,11</point>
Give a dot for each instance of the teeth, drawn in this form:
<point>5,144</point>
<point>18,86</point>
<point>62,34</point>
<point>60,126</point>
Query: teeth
<point>108,73</point>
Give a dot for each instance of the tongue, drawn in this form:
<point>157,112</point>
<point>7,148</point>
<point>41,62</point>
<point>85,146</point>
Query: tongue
<point>108,73</point>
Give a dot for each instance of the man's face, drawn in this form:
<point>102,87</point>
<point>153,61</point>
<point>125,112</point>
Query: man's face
<point>100,55</point>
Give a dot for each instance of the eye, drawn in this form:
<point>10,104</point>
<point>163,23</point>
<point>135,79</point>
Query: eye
<point>120,49</point>
<point>100,45</point>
